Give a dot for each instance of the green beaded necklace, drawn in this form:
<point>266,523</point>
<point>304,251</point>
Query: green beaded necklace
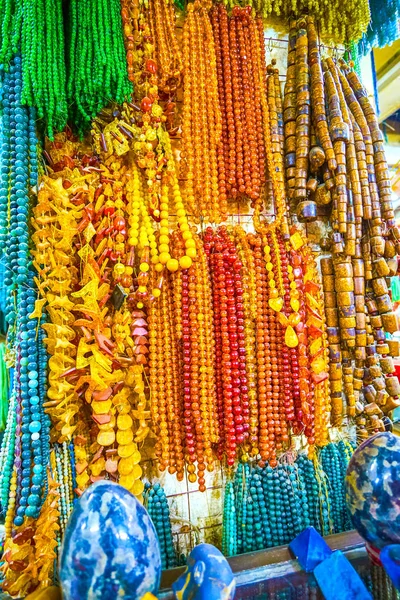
<point>97,68</point>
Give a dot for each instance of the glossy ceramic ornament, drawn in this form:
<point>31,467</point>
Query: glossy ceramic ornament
<point>110,548</point>
<point>372,489</point>
<point>208,576</point>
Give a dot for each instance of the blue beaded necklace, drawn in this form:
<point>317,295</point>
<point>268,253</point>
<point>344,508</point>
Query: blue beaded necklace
<point>18,174</point>
<point>266,507</point>
<point>157,506</point>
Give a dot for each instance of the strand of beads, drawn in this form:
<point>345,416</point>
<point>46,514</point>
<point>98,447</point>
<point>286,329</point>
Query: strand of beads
<point>91,53</point>
<point>274,159</point>
<point>267,507</point>
<point>157,505</point>
<point>37,30</point>
<point>201,117</point>
<point>242,158</point>
<point>229,524</point>
<point>316,487</point>
<point>167,51</point>
<point>20,173</point>
<point>34,543</point>
<point>349,171</point>
<point>338,22</point>
<point>383,28</point>
<point>228,295</point>
<point>62,476</point>
<point>334,460</point>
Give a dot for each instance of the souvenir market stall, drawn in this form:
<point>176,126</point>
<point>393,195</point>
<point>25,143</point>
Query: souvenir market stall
<point>196,244</point>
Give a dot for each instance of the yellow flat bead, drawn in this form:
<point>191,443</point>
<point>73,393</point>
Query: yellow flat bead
<point>124,422</point>
<point>106,438</point>
<point>124,437</point>
<point>137,488</point>
<point>127,450</point>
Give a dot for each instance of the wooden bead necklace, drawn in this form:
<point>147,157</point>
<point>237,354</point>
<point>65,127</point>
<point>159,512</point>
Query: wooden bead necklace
<point>349,158</point>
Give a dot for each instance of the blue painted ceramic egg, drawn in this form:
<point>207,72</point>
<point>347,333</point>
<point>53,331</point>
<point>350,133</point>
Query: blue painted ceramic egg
<point>110,548</point>
<point>373,489</point>
<point>208,576</point>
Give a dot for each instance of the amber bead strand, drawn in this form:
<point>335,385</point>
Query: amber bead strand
<point>251,31</point>
<point>188,420</point>
<point>273,116</point>
<point>279,107</point>
<point>366,206</point>
<point>264,379</point>
<point>197,404</point>
<point>227,415</point>
<point>190,113</point>
<point>354,208</point>
<point>177,360</point>
<point>288,354</point>
<point>274,159</point>
<point>207,372</point>
<point>250,107</point>
<point>250,312</point>
<point>162,368</point>
<point>276,354</point>
<point>231,183</point>
<point>173,390</point>
<point>202,173</point>
<point>167,52</point>
<point>215,124</point>
<point>246,107</point>
<point>223,148</point>
<point>339,135</point>
<point>237,111</point>
<point>359,118</point>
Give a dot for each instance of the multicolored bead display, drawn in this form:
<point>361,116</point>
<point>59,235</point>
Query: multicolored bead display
<point>148,328</point>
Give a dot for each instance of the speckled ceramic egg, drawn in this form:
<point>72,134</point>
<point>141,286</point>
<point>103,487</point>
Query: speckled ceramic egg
<point>110,548</point>
<point>373,489</point>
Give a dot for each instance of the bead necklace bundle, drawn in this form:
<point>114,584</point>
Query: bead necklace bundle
<point>182,371</point>
<point>265,507</point>
<point>335,155</point>
<point>25,350</point>
<point>102,336</point>
<point>201,117</point>
<point>383,29</point>
<point>36,28</point>
<point>95,46</point>
<point>167,50</point>
<point>30,555</point>
<point>242,170</point>
<point>62,470</point>
<point>334,460</point>
<point>338,21</point>
<point>4,386</point>
<point>254,357</point>
<point>156,503</point>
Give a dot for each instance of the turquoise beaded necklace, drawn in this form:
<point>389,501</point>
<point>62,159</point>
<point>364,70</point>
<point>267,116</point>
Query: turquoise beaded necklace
<point>266,507</point>
<point>157,506</point>
<point>30,429</point>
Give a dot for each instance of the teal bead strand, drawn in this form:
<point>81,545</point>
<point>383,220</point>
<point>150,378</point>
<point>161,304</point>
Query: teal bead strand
<point>229,522</point>
<point>157,506</point>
